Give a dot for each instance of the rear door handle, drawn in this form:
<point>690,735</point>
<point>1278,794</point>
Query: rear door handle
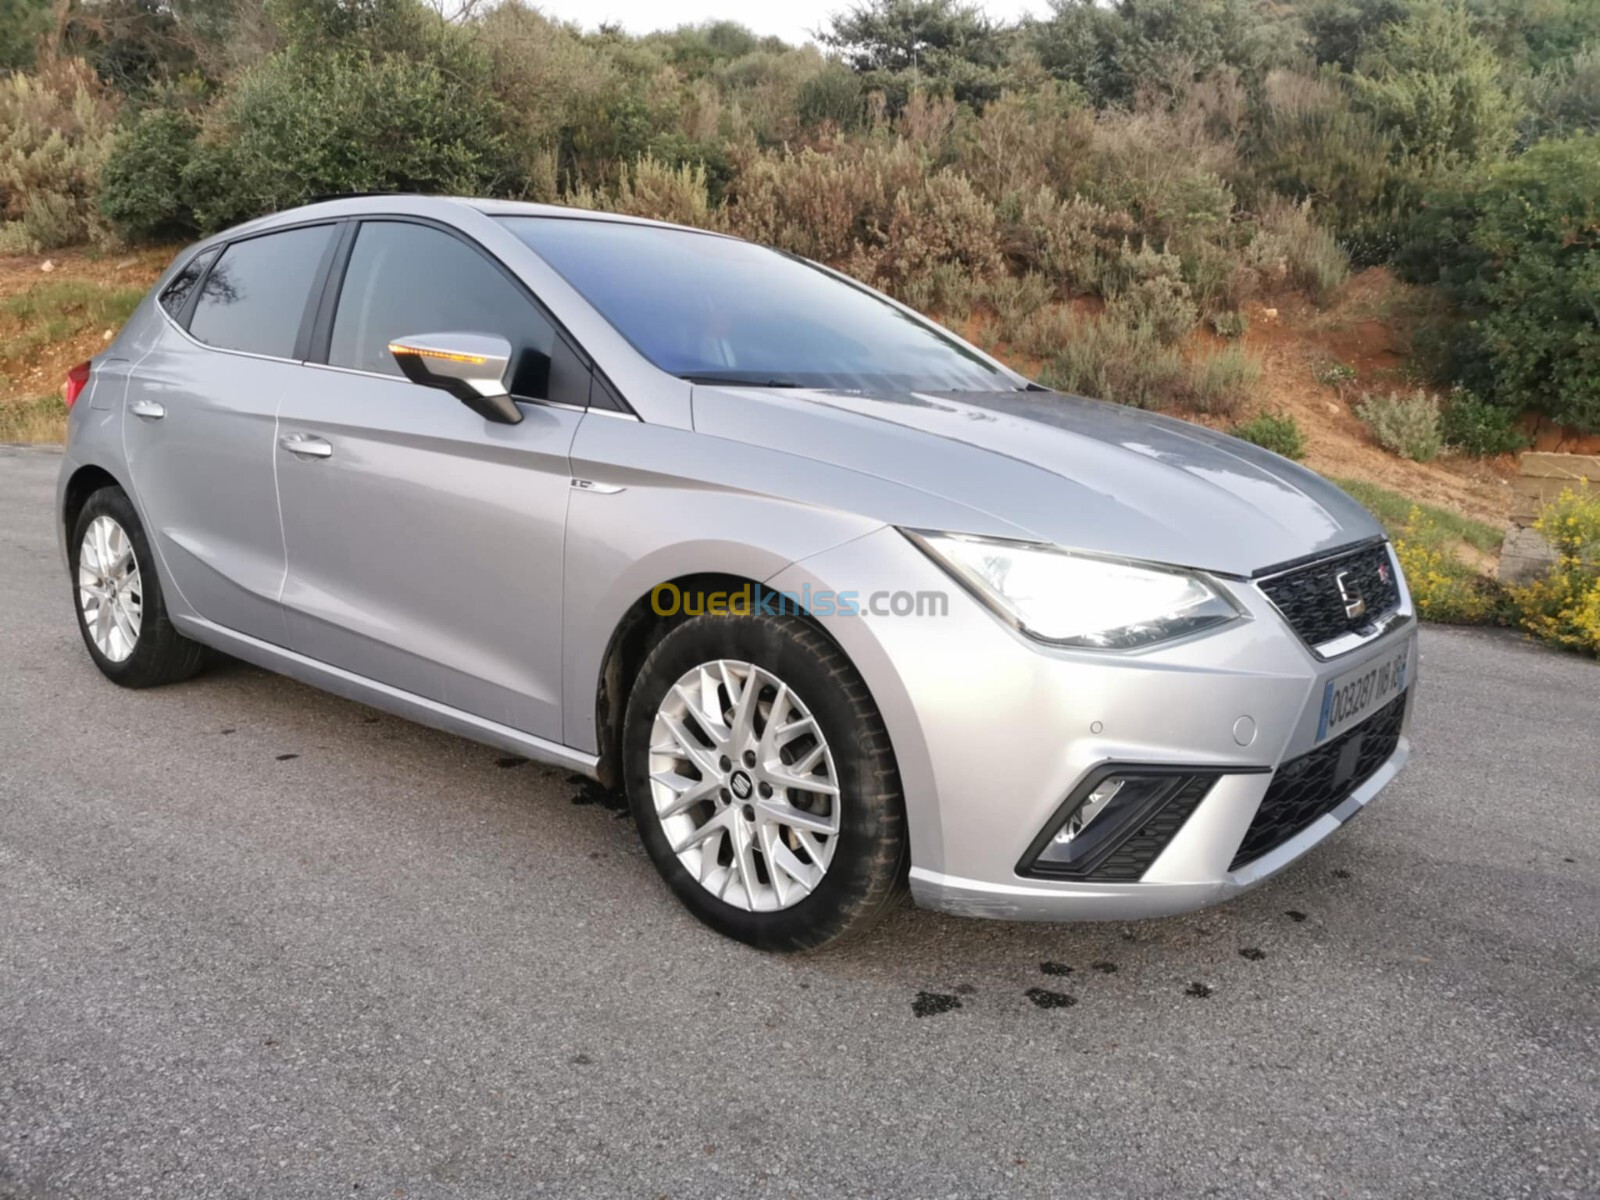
<point>148,410</point>
<point>306,446</point>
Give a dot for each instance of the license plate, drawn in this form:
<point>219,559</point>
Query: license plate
<point>1348,698</point>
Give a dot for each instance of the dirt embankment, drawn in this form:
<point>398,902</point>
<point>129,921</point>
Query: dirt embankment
<point>1365,330</point>
<point>46,325</point>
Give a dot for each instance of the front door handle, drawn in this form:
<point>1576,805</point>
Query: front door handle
<point>306,446</point>
<point>148,410</point>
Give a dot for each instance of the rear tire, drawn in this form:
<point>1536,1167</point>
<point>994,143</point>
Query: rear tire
<point>116,593</point>
<point>758,855</point>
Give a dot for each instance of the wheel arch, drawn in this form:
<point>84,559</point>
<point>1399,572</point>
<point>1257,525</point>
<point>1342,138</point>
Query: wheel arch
<point>83,483</point>
<point>630,643</point>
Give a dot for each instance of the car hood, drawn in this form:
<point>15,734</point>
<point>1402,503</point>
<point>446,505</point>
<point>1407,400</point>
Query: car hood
<point>1079,473</point>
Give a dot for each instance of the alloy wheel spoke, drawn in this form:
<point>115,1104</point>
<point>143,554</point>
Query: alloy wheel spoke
<point>744,860</point>
<point>705,715</point>
<point>124,623</point>
<point>784,813</point>
<point>687,747</point>
<point>743,696</point>
<point>687,792</point>
<point>818,852</point>
<point>784,861</point>
<point>781,777</point>
<point>715,827</point>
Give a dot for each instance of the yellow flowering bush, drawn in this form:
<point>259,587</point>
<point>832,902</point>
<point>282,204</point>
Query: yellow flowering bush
<point>1563,608</point>
<point>1442,586</point>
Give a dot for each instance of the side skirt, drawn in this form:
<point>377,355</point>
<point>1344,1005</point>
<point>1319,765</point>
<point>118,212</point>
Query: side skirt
<point>380,695</point>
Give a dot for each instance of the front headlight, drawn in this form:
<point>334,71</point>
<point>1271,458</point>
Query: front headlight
<point>1071,599</point>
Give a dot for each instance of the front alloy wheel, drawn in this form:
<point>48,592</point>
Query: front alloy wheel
<point>743,784</point>
<point>762,780</point>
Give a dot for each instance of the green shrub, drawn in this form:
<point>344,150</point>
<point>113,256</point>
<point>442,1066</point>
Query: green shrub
<point>832,95</point>
<point>1309,141</point>
<point>946,291</point>
<point>1519,252</point>
<point>1125,364</point>
<point>1014,298</point>
<point>303,124</point>
<point>1472,425</point>
<point>1289,247</point>
<point>942,220</point>
<point>56,127</point>
<point>1406,425</point>
<point>1437,87</point>
<point>1069,242</point>
<point>1335,374</point>
<point>142,192</point>
<point>1221,383</point>
<point>1043,333</point>
<point>1130,364</point>
<point>650,188</point>
<point>1150,293</point>
<point>1276,431</point>
<point>1230,324</point>
<point>1565,98</point>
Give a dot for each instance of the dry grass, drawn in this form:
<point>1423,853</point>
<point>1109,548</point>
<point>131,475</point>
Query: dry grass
<point>43,419</point>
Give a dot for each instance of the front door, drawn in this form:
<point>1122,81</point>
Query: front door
<point>424,542</point>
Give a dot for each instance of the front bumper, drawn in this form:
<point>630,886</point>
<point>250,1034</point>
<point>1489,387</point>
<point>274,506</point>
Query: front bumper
<point>992,732</point>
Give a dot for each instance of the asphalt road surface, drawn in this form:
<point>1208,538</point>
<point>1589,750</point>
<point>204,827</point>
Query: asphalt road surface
<point>259,942</point>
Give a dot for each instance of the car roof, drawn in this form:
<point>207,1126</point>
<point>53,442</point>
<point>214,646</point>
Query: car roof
<point>413,204</point>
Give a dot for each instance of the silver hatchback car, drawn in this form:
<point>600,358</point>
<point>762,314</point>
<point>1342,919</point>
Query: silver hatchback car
<point>841,602</point>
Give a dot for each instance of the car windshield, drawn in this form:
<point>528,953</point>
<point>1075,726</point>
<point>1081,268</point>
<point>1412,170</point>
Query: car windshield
<point>717,310</point>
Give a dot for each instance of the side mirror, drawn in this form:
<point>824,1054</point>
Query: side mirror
<point>470,366</point>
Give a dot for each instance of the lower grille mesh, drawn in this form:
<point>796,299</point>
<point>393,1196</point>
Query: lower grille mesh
<point>1313,785</point>
<point>1129,861</point>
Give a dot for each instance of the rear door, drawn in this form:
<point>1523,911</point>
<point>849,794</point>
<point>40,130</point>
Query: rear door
<point>198,425</point>
<point>424,542</point>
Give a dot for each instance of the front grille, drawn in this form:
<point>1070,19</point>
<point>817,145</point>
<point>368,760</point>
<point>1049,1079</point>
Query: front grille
<point>1313,785</point>
<point>1316,599</point>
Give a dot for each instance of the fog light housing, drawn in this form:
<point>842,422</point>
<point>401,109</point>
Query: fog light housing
<point>1110,808</point>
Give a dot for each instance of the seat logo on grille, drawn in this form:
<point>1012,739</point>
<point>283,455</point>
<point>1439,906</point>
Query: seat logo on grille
<point>1354,603</point>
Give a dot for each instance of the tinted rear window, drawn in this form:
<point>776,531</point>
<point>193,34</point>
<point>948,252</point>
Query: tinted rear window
<point>256,295</point>
<point>713,308</point>
<point>177,292</point>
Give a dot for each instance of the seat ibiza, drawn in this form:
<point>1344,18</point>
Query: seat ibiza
<point>845,606</point>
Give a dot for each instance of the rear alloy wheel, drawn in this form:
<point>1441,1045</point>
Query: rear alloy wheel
<point>110,593</point>
<point>762,781</point>
<point>121,612</point>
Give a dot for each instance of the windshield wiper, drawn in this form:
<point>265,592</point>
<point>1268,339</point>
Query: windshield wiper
<point>740,381</point>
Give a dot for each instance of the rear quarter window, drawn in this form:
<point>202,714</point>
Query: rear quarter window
<point>175,296</point>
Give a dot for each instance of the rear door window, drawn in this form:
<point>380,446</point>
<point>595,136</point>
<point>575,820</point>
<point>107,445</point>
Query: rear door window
<point>255,298</point>
<point>404,280</point>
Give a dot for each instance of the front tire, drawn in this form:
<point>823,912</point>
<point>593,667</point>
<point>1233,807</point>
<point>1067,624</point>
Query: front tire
<point>763,783</point>
<point>122,614</point>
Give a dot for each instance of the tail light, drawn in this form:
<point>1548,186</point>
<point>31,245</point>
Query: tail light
<point>77,380</point>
